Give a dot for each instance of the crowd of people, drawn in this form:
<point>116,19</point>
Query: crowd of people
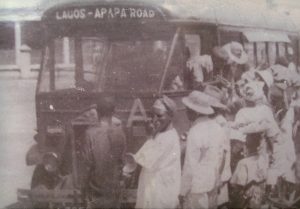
<point>239,152</point>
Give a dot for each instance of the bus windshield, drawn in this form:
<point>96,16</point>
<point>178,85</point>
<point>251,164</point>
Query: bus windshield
<point>102,63</point>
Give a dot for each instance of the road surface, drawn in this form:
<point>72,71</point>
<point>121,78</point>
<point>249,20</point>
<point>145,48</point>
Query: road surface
<point>17,124</point>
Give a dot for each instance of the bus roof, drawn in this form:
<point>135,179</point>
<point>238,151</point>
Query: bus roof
<point>223,13</point>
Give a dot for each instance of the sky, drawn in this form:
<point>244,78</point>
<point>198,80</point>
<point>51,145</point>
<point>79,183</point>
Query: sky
<point>18,3</point>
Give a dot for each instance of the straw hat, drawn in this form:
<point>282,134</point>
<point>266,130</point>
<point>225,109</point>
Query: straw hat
<point>266,76</point>
<point>216,95</point>
<point>281,76</point>
<point>236,52</point>
<point>199,102</point>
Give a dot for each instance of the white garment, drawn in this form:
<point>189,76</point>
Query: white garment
<point>292,68</point>
<point>159,181</point>
<point>198,64</point>
<point>284,153</point>
<point>223,195</point>
<point>202,161</point>
<point>256,119</point>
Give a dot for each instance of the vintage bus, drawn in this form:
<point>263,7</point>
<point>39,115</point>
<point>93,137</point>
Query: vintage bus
<point>130,51</point>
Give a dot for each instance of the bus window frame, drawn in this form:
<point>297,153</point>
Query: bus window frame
<point>267,52</point>
<point>170,56</point>
<point>78,59</point>
<point>79,69</point>
<point>51,65</point>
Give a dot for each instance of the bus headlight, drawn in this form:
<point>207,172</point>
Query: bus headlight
<point>50,162</point>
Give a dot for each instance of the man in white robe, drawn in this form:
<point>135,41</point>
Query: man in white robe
<point>159,181</point>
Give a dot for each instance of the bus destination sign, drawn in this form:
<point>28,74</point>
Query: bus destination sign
<point>105,13</point>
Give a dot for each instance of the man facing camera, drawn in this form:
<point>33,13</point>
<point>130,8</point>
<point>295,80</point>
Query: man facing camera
<point>159,157</point>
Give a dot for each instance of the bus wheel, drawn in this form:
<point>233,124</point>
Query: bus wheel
<point>41,177</point>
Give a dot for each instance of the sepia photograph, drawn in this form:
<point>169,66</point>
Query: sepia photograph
<point>150,104</point>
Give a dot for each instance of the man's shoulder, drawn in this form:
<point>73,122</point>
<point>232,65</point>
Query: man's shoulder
<point>205,124</point>
<point>96,129</point>
<point>202,128</point>
<point>168,135</point>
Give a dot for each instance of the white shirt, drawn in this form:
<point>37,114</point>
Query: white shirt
<point>202,159</point>
<point>256,119</point>
<point>198,64</point>
<point>159,181</point>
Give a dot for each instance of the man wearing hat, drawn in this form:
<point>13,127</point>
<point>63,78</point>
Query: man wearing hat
<point>159,181</point>
<point>266,77</point>
<point>202,164</point>
<point>217,103</point>
<point>237,58</point>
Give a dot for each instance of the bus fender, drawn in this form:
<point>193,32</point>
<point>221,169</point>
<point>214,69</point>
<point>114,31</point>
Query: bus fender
<point>33,155</point>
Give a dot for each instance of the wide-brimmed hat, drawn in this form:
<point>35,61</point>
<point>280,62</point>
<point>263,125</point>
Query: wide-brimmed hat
<point>216,95</point>
<point>236,52</point>
<point>198,102</point>
<point>165,103</point>
<point>281,76</point>
<point>266,76</point>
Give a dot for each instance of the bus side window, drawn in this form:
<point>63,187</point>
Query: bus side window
<point>199,64</point>
<point>272,52</point>
<point>281,49</point>
<point>249,48</point>
<point>261,53</point>
<point>175,78</point>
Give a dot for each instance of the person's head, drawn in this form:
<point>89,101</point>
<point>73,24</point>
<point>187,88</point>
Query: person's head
<point>253,91</point>
<point>163,111</point>
<point>220,53</point>
<point>266,77</point>
<point>281,76</point>
<point>105,107</point>
<point>236,53</point>
<point>197,105</point>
